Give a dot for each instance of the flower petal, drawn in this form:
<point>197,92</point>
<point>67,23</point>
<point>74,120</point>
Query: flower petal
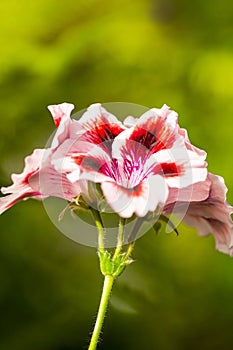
<point>193,193</point>
<point>60,112</point>
<point>130,121</point>
<point>184,134</point>
<point>21,189</point>
<point>23,193</point>
<point>147,196</point>
<point>83,160</point>
<point>55,184</point>
<point>99,126</point>
<point>150,134</point>
<point>66,127</point>
<point>188,167</point>
<point>32,165</point>
<point>211,215</point>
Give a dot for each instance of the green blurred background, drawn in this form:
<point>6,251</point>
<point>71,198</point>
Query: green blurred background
<point>178,293</point>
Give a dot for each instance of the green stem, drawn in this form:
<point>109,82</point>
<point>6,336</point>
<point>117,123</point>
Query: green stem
<point>100,228</point>
<point>132,237</point>
<point>120,237</point>
<point>108,283</point>
<point>129,250</point>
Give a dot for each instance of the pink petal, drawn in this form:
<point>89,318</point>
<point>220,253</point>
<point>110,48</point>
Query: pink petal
<point>168,116</point>
<point>164,112</point>
<point>153,134</point>
<point>60,112</point>
<point>211,215</point>
<point>82,160</point>
<point>130,121</point>
<point>154,131</point>
<point>65,157</point>
<point>184,134</point>
<point>32,165</point>
<point>54,184</point>
<point>146,197</point>
<point>191,168</point>
<point>11,199</point>
<point>99,126</point>
<point>66,127</point>
<point>193,193</point>
<point>206,224</point>
<point>21,189</point>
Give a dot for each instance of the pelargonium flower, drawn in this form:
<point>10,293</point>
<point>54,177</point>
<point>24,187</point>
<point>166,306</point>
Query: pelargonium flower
<point>141,164</point>
<point>145,167</point>
<point>134,165</point>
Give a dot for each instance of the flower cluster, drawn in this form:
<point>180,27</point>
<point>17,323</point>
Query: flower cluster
<point>140,165</point>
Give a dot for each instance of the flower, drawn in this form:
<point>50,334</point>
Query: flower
<point>134,165</point>
<point>143,165</point>
<point>209,213</point>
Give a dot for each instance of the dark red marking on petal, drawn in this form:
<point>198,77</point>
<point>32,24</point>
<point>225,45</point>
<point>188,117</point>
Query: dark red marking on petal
<point>87,162</point>
<point>57,121</point>
<point>99,131</point>
<point>167,169</point>
<point>78,158</point>
<point>21,197</point>
<point>108,170</point>
<point>112,169</point>
<point>155,135</point>
<point>170,169</point>
<point>137,190</point>
<point>29,175</point>
<point>144,137</point>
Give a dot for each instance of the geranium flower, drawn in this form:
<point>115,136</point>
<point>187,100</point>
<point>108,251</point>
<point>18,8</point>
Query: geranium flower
<point>207,211</point>
<point>134,165</point>
<point>143,166</point>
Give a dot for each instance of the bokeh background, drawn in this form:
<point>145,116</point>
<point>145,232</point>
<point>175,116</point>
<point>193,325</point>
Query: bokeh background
<point>178,293</point>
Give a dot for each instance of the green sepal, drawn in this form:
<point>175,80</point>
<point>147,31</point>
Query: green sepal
<point>106,263</point>
<point>121,265</point>
<point>113,267</point>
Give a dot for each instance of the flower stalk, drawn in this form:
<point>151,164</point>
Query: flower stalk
<point>111,266</point>
<point>120,237</point>
<point>100,228</point>
<point>108,283</point>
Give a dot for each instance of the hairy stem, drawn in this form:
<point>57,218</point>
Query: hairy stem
<point>100,228</point>
<point>129,250</point>
<point>120,237</point>
<point>108,283</point>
